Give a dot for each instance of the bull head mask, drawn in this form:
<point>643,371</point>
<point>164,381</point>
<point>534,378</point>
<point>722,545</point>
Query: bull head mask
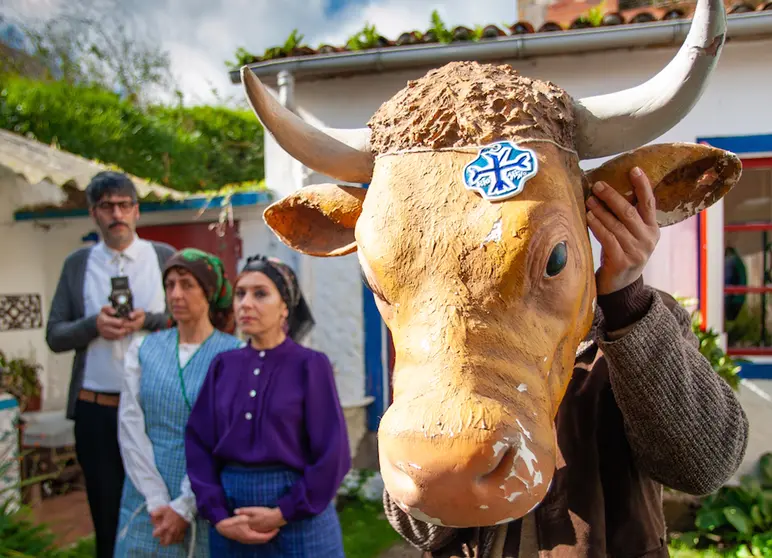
<point>487,299</point>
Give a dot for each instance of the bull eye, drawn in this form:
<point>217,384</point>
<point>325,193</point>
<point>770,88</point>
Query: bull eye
<point>558,260</point>
<point>373,290</point>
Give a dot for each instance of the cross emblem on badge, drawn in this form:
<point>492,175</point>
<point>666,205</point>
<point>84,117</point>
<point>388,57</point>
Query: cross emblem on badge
<point>500,170</point>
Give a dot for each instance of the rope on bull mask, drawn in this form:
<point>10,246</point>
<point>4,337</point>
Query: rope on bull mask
<point>474,148</point>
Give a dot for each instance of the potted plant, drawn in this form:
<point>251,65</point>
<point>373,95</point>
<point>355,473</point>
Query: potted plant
<point>20,378</point>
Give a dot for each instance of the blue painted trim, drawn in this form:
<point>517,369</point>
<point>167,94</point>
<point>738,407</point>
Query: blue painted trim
<point>741,144</point>
<point>240,199</point>
<point>8,404</point>
<point>373,326</point>
<point>755,371</point>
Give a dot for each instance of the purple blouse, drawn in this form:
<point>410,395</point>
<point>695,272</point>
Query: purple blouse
<point>278,406</point>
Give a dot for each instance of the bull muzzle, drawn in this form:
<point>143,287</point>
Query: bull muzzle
<point>461,458</point>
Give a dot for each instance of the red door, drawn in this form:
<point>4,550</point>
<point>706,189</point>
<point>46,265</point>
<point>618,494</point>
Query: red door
<point>198,235</point>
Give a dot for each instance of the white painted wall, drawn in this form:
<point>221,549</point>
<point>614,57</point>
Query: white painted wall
<point>25,251</point>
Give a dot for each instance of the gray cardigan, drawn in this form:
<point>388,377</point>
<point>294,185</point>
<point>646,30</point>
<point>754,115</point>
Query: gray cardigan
<point>69,329</point>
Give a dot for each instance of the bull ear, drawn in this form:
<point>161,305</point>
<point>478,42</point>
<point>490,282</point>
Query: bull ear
<point>685,177</point>
<point>318,220</point>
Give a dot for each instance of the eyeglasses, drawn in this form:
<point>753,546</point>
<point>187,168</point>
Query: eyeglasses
<point>108,206</point>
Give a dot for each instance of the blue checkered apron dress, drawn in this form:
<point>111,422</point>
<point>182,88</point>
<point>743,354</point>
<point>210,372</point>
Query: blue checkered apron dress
<point>316,537</point>
<point>166,414</point>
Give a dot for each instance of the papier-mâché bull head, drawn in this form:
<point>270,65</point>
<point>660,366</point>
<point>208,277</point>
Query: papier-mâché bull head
<point>472,235</point>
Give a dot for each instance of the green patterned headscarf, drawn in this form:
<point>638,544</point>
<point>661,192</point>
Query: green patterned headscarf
<point>208,271</point>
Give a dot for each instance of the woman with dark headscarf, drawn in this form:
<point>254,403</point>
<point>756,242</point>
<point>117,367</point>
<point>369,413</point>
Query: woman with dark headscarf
<point>266,443</point>
<point>164,372</point>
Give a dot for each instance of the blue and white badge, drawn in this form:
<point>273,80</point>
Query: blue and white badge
<point>501,170</point>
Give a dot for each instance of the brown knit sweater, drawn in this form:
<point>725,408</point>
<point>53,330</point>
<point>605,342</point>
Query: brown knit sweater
<point>643,409</point>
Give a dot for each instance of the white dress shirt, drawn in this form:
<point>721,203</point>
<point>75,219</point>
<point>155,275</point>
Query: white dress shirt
<point>104,359</point>
<point>136,448</point>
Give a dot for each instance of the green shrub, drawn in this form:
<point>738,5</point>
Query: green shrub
<point>185,148</point>
<point>21,537</point>
<point>736,516</point>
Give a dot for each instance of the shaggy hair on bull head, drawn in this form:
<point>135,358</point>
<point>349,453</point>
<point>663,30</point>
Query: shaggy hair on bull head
<point>463,103</point>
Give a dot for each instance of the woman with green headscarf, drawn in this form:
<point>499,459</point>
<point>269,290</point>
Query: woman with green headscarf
<point>163,375</point>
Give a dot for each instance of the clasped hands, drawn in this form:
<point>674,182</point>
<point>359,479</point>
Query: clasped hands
<point>168,526</point>
<point>253,525</point>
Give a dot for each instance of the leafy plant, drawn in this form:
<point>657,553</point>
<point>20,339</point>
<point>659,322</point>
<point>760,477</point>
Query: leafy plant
<point>760,545</point>
<point>294,41</point>
<point>20,535</point>
<point>477,32</point>
<point>19,377</point>
<point>243,57</point>
<point>292,44</point>
<point>185,148</point>
<point>84,548</point>
<point>736,514</point>
<point>438,28</point>
<point>594,15</point>
<point>364,39</point>
<point>366,532</point>
<point>745,329</point>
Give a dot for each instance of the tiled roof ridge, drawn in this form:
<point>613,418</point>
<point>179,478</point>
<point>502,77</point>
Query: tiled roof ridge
<point>664,11</point>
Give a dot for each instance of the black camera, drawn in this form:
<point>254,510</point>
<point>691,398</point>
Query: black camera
<point>121,298</point>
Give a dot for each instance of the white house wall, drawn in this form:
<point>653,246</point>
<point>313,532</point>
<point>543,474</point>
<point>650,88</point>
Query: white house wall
<point>22,274</point>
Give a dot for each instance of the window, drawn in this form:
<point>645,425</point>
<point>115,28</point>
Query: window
<point>748,261</point>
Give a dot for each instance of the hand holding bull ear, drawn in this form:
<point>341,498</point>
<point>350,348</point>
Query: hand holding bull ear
<point>627,233</point>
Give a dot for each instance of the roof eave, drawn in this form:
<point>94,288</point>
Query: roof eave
<point>642,35</point>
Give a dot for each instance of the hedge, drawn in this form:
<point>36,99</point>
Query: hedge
<point>185,148</point>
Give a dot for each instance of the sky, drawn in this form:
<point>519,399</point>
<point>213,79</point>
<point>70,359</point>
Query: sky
<point>200,35</point>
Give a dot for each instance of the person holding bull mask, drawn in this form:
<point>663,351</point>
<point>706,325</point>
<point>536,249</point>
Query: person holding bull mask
<point>83,320</point>
<point>606,500</point>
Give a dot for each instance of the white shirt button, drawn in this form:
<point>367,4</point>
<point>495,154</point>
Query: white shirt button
<point>256,371</point>
<point>248,416</point>
<point>262,354</point>
<point>252,393</point>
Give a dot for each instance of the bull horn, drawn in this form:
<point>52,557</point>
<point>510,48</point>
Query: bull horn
<point>341,154</point>
<point>617,122</point>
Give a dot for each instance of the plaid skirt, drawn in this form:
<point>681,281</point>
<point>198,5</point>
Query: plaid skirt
<point>315,537</point>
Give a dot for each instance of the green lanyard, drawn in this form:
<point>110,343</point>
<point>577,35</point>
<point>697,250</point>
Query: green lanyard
<point>180,368</point>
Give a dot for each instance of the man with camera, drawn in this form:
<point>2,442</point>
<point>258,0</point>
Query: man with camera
<point>106,293</point>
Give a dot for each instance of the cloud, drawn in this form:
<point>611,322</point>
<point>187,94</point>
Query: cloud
<point>200,35</point>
